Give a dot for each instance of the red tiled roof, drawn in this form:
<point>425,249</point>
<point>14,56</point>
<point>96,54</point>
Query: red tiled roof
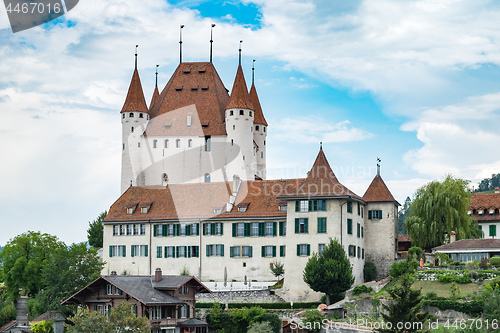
<point>155,96</point>
<point>198,201</point>
<point>135,97</point>
<point>482,243</point>
<point>378,191</point>
<point>259,115</point>
<point>321,182</point>
<point>239,93</point>
<point>198,86</point>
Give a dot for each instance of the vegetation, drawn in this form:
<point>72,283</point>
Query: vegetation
<point>370,271</point>
<point>330,272</point>
<point>313,319</point>
<point>120,319</point>
<point>96,230</point>
<point>406,308</point>
<point>278,269</point>
<point>438,209</point>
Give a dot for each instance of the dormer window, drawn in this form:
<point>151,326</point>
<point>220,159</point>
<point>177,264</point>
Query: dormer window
<point>131,115</point>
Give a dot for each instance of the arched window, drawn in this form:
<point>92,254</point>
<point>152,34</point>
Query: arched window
<point>178,143</point>
<point>155,143</point>
<point>131,115</point>
<point>166,143</point>
<point>190,143</point>
<point>207,178</point>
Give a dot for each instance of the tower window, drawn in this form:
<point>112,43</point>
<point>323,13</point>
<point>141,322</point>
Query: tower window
<point>190,143</point>
<point>131,115</point>
<point>231,113</point>
<point>178,143</point>
<point>242,113</point>
<point>141,115</point>
<point>256,127</point>
<point>166,143</point>
<point>155,143</point>
<point>207,178</point>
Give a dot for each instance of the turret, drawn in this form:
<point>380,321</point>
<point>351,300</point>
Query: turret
<point>259,131</point>
<point>134,117</point>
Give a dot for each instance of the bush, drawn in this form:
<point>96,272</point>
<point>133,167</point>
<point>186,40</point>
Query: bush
<point>495,261</point>
<point>361,289</point>
<point>370,271</point>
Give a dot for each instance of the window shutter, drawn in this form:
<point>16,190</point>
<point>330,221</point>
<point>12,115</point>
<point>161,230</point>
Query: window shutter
<point>231,252</point>
<point>297,226</point>
<point>308,249</point>
<point>262,251</point>
<point>247,229</point>
<point>298,249</point>
<point>250,251</point>
<point>369,215</point>
<point>380,214</point>
<point>297,205</point>
<point>132,250</point>
<point>110,251</point>
<point>275,225</point>
<point>262,229</point>
<point>155,230</point>
<point>204,229</point>
<point>222,250</point>
<point>235,225</point>
<point>306,225</point>
<point>274,251</point>
<point>146,250</point>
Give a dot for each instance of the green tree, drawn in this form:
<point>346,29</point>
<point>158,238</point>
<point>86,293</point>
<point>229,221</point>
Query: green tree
<point>95,231</point>
<point>330,272</point>
<point>23,259</point>
<point>438,209</point>
<point>370,271</point>
<point>406,309</point>
<point>120,319</point>
<point>278,269</point>
<point>313,320</point>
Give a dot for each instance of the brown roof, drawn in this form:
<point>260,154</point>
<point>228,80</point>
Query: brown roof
<point>321,182</point>
<point>378,191</point>
<point>482,243</point>
<point>197,85</point>
<point>155,96</point>
<point>135,97</point>
<point>239,94</point>
<point>200,200</point>
<point>259,115</point>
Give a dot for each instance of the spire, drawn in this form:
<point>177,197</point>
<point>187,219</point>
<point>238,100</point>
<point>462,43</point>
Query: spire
<point>211,40</point>
<point>136,56</point>
<point>239,95</point>
<point>240,53</point>
<point>180,43</point>
<point>156,93</point>
<point>135,97</point>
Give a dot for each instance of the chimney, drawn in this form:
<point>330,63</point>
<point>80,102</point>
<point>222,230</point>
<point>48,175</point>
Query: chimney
<point>158,275</point>
<point>497,189</point>
<point>452,236</point>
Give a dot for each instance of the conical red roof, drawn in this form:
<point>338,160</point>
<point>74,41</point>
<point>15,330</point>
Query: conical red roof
<point>135,97</point>
<point>259,115</point>
<point>239,95</point>
<point>378,191</point>
<point>155,96</point>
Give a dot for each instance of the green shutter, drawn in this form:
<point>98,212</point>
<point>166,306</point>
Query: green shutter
<point>306,225</point>
<point>110,251</point>
<point>275,226</point>
<point>231,252</point>
<point>247,228</point>
<point>297,205</point>
<point>262,229</point>
<point>222,250</point>
<point>297,226</point>
<point>235,226</point>
<point>380,214</point>
<point>298,249</point>
<point>263,251</point>
<point>369,215</point>
<point>308,249</point>
<point>132,250</point>
<point>250,251</point>
<point>281,226</point>
<point>274,251</point>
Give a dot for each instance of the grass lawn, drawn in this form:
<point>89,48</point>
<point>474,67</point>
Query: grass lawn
<point>443,289</point>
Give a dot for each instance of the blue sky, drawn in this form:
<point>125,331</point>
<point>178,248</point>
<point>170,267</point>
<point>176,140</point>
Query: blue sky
<point>414,82</point>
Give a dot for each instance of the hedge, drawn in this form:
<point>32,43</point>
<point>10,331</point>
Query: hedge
<point>474,308</point>
<point>296,305</point>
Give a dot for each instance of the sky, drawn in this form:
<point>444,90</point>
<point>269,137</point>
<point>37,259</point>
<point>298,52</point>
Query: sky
<point>415,83</point>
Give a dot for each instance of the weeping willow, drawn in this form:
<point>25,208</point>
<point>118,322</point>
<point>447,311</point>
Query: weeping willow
<point>439,208</point>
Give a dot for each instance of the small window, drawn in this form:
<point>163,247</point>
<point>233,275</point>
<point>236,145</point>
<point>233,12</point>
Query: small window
<point>257,127</point>
<point>141,115</point>
<point>190,143</point>
<point>178,143</point>
<point>131,115</point>
<point>155,143</point>
<point>207,178</point>
<point>242,113</point>
<point>166,143</point>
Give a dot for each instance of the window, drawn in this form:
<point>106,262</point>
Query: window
<point>143,229</point>
<point>207,178</point>
<point>190,143</point>
<point>155,143</point>
<point>117,251</point>
<point>321,247</point>
<point>359,230</point>
<point>493,230</point>
<point>255,229</point>
<point>139,250</point>
<point>215,250</point>
<point>178,143</point>
<point>303,249</point>
<point>131,115</point>
<point>115,230</point>
<point>208,141</point>
<point>184,290</point>
<point>349,226</point>
<point>349,206</point>
<point>374,214</point>
<point>166,143</point>
<point>268,251</point>
<point>189,120</point>
<point>301,226</point>
<point>129,229</point>
<point>282,250</point>
<point>159,250</point>
<point>321,225</point>
<point>242,113</point>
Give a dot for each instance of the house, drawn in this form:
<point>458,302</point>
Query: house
<point>168,301</point>
<point>465,250</point>
<point>485,209</point>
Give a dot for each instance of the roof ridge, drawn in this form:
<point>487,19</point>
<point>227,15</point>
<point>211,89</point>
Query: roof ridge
<point>135,100</point>
<point>239,93</point>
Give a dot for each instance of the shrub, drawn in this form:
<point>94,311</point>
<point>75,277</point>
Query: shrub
<point>370,271</point>
<point>361,289</point>
<point>495,261</point>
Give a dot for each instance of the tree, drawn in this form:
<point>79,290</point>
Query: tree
<point>438,209</point>
<point>120,319</point>
<point>278,269</point>
<point>95,231</point>
<point>403,215</point>
<point>406,309</point>
<point>370,271</point>
<point>23,259</point>
<point>330,272</point>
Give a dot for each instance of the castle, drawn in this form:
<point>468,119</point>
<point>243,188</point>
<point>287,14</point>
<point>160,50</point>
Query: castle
<point>195,195</point>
